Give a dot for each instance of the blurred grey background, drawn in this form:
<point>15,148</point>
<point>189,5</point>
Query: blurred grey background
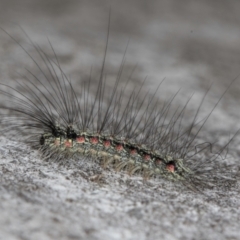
<point>191,44</point>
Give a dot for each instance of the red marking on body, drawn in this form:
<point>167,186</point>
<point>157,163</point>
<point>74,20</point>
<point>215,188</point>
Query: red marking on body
<point>158,161</point>
<point>80,139</point>
<point>68,143</point>
<point>146,157</point>
<point>133,151</point>
<point>170,167</point>
<point>107,144</point>
<point>119,147</point>
<point>94,140</point>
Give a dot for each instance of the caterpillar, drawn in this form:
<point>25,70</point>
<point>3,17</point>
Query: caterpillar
<point>114,122</point>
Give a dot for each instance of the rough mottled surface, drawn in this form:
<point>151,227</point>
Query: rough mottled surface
<point>191,43</point>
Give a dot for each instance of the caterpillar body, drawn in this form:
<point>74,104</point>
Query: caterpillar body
<point>137,133</point>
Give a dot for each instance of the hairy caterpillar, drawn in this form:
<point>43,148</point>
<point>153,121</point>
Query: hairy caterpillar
<point>135,132</point>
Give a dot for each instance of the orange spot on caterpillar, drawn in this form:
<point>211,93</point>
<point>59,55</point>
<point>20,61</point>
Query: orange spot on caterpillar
<point>119,147</point>
<point>94,140</point>
<point>68,143</point>
<point>80,139</point>
<point>147,157</point>
<point>133,151</point>
<point>107,144</point>
<point>171,167</point>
